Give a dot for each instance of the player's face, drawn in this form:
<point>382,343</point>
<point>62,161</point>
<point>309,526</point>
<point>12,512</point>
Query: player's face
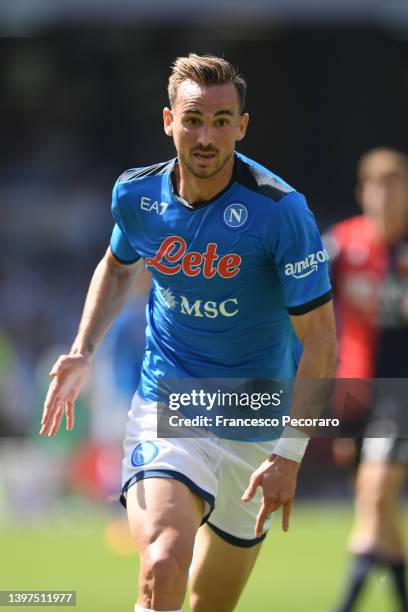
<point>205,124</point>
<point>383,193</point>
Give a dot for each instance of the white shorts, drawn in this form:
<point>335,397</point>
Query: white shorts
<point>217,470</point>
<point>385,450</point>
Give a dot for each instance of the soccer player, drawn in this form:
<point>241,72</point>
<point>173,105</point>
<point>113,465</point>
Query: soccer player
<point>370,273</point>
<point>240,279</point>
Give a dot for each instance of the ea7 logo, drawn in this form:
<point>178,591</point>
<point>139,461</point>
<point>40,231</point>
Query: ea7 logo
<point>306,266</point>
<point>149,205</point>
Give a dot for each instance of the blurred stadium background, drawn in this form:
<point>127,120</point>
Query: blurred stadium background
<point>82,86</point>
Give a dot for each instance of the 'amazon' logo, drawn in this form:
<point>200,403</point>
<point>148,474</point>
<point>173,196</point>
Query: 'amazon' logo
<point>306,266</point>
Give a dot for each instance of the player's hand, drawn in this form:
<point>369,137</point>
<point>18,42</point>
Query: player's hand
<point>344,451</point>
<point>277,476</point>
<point>68,373</point>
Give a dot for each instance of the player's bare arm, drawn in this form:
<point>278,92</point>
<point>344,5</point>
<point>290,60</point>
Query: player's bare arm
<point>277,476</point>
<point>110,287</point>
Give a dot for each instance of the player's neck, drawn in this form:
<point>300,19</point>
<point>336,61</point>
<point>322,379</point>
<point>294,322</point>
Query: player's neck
<point>194,189</point>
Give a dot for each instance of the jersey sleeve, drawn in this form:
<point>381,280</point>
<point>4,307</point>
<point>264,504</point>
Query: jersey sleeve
<point>120,245</point>
<point>298,252</point>
<point>121,248</point>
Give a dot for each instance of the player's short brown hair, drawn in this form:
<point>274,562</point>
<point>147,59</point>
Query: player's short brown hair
<point>399,155</point>
<point>206,70</point>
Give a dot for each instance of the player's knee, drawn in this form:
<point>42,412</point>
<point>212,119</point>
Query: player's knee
<point>380,500</point>
<point>372,496</point>
<point>164,566</point>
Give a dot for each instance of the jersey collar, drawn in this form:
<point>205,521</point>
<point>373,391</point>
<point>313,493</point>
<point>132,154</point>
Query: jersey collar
<point>183,202</point>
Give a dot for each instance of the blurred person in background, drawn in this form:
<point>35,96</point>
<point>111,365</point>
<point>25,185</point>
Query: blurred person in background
<point>369,255</point>
<point>234,313</point>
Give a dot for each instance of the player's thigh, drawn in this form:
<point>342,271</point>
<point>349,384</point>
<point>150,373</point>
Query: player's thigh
<point>164,515</point>
<point>219,573</point>
<point>378,486</point>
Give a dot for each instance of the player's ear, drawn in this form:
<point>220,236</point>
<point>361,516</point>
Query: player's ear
<point>168,121</point>
<point>243,124</point>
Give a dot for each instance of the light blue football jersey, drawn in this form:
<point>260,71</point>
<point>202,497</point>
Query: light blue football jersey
<point>227,273</point>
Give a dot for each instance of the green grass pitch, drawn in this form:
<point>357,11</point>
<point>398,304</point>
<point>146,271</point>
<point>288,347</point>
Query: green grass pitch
<point>300,571</point>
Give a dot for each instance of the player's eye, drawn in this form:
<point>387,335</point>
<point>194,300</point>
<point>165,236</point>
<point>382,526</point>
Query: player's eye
<point>221,122</point>
<point>192,121</point>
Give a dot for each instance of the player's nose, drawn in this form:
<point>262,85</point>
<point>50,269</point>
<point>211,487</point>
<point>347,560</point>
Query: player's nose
<point>205,138</point>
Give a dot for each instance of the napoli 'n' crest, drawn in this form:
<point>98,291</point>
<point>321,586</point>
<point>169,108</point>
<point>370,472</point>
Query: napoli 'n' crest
<point>144,453</point>
<point>235,215</point>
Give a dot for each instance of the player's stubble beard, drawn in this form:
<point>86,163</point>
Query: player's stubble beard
<point>184,160</point>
